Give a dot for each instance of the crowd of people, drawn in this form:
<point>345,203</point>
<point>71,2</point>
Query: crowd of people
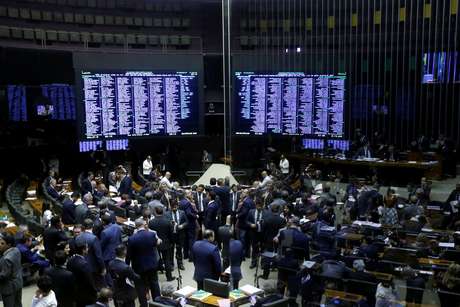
<point>111,243</point>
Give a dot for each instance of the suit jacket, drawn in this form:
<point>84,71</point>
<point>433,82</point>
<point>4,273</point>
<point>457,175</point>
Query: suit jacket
<point>51,238</point>
<point>234,199</point>
<point>85,287</point>
<point>126,186</point>
<point>206,258</point>
<point>86,187</point>
<point>204,200</point>
<point>243,211</point>
<point>190,213</point>
<point>81,213</point>
<point>210,219</point>
<point>224,235</point>
<point>223,192</point>
<point>142,252</point>
<point>181,226</point>
<point>110,239</point>
<point>294,238</point>
<point>68,212</point>
<point>94,257</point>
<point>251,219</point>
<point>53,193</point>
<point>10,271</point>
<point>167,301</point>
<point>63,285</point>
<point>236,253</point>
<point>120,271</point>
<point>164,228</point>
<point>272,224</point>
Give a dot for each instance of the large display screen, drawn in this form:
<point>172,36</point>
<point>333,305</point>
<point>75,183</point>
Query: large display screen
<point>140,103</point>
<point>289,104</point>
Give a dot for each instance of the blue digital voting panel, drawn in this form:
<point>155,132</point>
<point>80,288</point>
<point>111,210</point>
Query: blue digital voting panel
<point>62,98</point>
<point>140,103</point>
<point>17,103</point>
<point>289,104</point>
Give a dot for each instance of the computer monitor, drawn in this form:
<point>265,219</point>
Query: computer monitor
<point>217,288</point>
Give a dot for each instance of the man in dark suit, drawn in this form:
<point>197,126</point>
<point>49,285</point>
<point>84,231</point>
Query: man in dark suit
<point>52,236</point>
<point>189,207</point>
<point>68,209</point>
<point>85,288</point>
<point>125,184</point>
<point>236,256</point>
<point>255,224</point>
<point>94,255</point>
<point>294,239</point>
<point>223,194</point>
<point>86,184</point>
<point>143,256</point>
<point>124,279</point>
<point>206,258</point>
<point>164,229</point>
<point>179,223</point>
<point>110,239</point>
<point>211,219</point>
<point>201,202</point>
<point>234,201</point>
<point>10,272</point>
<point>63,281</point>
<point>273,222</point>
<point>225,233</point>
<point>242,212</point>
<point>103,299</point>
<point>52,191</point>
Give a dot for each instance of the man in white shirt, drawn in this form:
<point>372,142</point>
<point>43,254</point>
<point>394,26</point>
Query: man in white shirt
<point>284,165</point>
<point>147,166</point>
<point>266,179</point>
<point>165,180</point>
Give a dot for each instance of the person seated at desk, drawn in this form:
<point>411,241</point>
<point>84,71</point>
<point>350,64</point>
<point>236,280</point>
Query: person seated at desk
<point>52,190</point>
<point>30,254</point>
<point>391,154</point>
<point>166,298</point>
<point>364,152</point>
<point>360,273</point>
<point>369,249</point>
<point>269,287</point>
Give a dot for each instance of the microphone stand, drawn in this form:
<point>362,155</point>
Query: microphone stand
<point>179,275</point>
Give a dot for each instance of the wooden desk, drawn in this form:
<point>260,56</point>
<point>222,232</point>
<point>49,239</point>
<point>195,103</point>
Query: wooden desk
<point>428,170</point>
<point>345,296</point>
<point>136,186</point>
<point>213,300</point>
<point>37,205</point>
<point>381,276</point>
<point>438,262</point>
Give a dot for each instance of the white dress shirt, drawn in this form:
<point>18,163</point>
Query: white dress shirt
<point>147,167</point>
<point>167,182</point>
<point>284,166</point>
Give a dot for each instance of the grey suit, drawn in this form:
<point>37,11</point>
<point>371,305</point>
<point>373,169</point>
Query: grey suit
<point>11,278</point>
